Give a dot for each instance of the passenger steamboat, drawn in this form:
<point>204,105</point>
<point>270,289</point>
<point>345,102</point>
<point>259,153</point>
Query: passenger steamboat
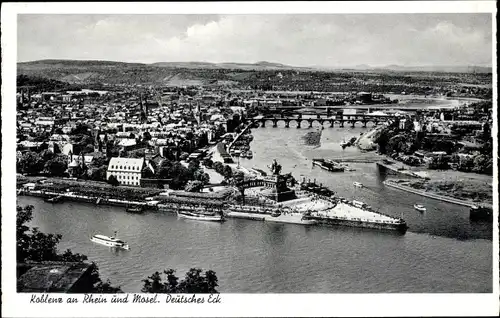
<point>201,214</point>
<point>109,241</point>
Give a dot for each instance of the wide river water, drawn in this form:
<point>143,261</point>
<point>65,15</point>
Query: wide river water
<point>441,252</point>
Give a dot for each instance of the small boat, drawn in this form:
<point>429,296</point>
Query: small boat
<point>328,165</point>
<point>358,184</point>
<point>420,207</point>
<point>135,209</point>
<point>249,154</point>
<point>109,241</point>
<point>54,199</point>
<point>344,144</point>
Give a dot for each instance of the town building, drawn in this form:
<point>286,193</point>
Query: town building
<point>127,171</point>
<point>54,277</point>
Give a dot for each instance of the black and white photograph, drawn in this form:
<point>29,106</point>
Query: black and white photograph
<point>177,156</point>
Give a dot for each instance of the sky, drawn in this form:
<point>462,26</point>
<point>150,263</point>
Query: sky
<point>328,40</point>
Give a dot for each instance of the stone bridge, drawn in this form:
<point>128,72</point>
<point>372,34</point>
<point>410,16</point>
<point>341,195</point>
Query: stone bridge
<point>350,119</point>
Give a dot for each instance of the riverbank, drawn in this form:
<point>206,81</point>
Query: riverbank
<point>336,258</point>
<point>367,141</point>
<point>174,201</point>
<point>405,185</point>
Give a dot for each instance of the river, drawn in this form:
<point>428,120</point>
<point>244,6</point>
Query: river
<point>442,252</point>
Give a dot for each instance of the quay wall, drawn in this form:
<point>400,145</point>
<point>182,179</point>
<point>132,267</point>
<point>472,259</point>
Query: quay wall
<point>234,211</point>
<point>401,227</point>
<point>432,195</point>
<point>246,215</point>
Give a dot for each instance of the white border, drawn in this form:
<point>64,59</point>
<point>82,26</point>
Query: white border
<point>16,305</point>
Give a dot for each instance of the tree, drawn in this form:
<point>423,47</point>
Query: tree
<point>208,163</point>
<point>99,174</point>
<point>163,169</point>
<point>31,163</point>
<point>46,155</point>
<point>35,246</point>
<point>179,175</point>
<point>382,140</point>
<point>100,160</point>
<point>193,166</point>
<point>465,164</point>
<point>199,175</point>
<point>482,164</point>
<point>194,186</point>
<point>113,181</point>
<point>57,166</point>
<point>219,167</point>
<point>228,172</point>
<point>193,282</point>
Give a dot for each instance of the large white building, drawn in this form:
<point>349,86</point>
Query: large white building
<point>126,170</point>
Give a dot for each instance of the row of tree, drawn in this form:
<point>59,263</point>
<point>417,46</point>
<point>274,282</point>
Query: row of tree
<point>46,161</point>
<point>223,169</point>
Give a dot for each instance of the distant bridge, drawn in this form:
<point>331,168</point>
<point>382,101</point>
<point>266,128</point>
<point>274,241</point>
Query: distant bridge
<point>351,119</point>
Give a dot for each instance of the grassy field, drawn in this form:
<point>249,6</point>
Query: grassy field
<point>473,189</point>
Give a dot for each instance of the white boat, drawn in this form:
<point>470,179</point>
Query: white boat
<point>420,207</point>
<point>358,184</point>
<point>201,216</point>
<point>109,241</point>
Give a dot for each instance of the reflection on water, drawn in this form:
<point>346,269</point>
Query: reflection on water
<point>251,256</point>
<point>441,218</point>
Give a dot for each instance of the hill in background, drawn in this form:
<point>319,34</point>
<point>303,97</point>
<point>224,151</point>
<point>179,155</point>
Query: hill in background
<point>260,75</point>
